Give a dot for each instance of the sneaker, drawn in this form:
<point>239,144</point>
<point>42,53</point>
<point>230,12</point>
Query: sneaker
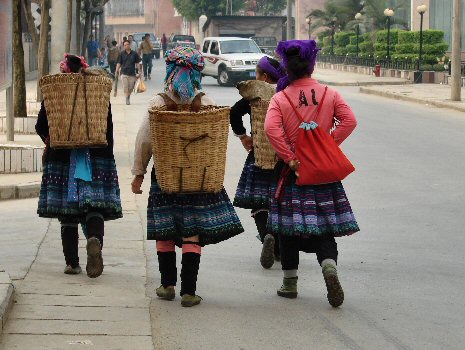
<point>72,270</point>
<point>128,101</point>
<point>335,293</point>
<point>267,256</point>
<point>190,300</point>
<point>167,293</point>
<point>94,266</point>
<point>145,78</point>
<point>289,288</point>
<point>150,78</point>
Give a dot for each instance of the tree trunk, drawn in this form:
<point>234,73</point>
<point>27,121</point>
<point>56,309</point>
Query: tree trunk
<point>69,26</point>
<point>26,6</point>
<point>43,68</point>
<point>19,76</point>
<point>78,26</point>
<point>87,24</point>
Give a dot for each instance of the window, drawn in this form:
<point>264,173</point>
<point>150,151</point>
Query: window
<point>214,49</point>
<point>206,44</point>
<point>239,46</point>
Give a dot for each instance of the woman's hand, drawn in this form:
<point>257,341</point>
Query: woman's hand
<point>247,142</point>
<point>137,183</point>
<point>294,165</point>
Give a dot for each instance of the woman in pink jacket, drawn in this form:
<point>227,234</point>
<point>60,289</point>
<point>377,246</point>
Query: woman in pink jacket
<point>307,218</point>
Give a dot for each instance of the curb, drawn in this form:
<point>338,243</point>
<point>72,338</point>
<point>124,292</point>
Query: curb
<point>412,99</point>
<point>364,83</point>
<point>22,191</point>
<point>6,297</point>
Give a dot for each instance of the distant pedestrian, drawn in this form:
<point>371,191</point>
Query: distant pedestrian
<point>127,61</point>
<point>92,51</point>
<point>307,217</point>
<point>254,188</point>
<point>145,48</point>
<point>113,54</point>
<point>121,45</point>
<point>132,43</point>
<point>189,220</point>
<point>164,44</point>
<point>79,186</point>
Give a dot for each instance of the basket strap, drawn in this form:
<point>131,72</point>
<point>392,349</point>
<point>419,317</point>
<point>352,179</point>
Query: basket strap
<point>197,102</point>
<point>169,103</point>
<point>203,177</point>
<point>87,112</point>
<point>72,111</point>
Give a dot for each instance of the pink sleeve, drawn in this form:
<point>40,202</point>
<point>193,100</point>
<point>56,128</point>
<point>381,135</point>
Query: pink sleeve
<point>347,122</point>
<point>275,132</point>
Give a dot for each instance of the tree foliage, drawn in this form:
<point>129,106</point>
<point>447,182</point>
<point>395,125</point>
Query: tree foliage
<point>193,9</point>
<point>266,7</point>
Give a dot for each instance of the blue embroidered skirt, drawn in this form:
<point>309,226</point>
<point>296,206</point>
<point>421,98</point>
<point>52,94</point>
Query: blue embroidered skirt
<point>254,190</point>
<point>176,216</point>
<point>317,210</point>
<point>102,195</point>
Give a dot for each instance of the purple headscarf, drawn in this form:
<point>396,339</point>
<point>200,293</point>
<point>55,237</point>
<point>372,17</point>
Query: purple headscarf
<point>306,50</point>
<point>275,73</point>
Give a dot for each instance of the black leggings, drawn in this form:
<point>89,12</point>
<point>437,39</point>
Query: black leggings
<point>324,247</point>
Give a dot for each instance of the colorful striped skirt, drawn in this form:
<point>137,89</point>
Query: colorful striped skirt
<point>317,210</point>
<point>254,190</point>
<point>102,195</point>
<point>173,216</point>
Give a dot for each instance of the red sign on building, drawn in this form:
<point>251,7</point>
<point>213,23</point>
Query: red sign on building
<point>6,49</point>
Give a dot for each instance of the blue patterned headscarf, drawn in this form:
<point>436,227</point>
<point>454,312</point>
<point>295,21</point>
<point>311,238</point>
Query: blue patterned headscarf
<point>183,67</point>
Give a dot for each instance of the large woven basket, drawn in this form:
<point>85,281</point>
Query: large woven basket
<point>265,155</point>
<point>190,148</point>
<point>77,109</point>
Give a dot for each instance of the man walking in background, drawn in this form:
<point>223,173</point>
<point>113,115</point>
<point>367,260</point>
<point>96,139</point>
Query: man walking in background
<point>92,51</point>
<point>112,57</point>
<point>132,43</point>
<point>121,46</point>
<point>127,61</point>
<point>145,49</point>
<point>164,44</point>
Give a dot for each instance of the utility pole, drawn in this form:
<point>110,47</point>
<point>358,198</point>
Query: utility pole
<point>456,51</point>
<point>289,20</point>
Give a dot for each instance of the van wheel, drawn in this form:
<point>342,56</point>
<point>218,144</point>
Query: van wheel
<point>223,77</point>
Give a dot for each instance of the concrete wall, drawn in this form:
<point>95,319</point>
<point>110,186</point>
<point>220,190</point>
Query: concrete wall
<point>302,9</point>
<point>167,20</point>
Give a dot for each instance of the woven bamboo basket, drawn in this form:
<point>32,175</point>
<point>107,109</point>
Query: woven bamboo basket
<point>265,155</point>
<point>190,148</point>
<point>77,109</point>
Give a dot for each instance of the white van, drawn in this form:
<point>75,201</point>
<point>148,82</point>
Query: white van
<point>230,59</point>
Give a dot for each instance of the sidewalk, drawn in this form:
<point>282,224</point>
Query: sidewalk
<point>339,78</point>
<point>428,94</point>
<point>57,311</point>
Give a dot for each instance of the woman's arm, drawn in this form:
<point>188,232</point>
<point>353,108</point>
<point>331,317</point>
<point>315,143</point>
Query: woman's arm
<point>240,108</point>
<point>275,132</point>
<point>143,148</point>
<point>345,117</point>
<point>42,123</point>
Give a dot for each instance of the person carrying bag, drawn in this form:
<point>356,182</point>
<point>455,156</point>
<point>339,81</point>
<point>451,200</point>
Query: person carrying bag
<point>305,123</point>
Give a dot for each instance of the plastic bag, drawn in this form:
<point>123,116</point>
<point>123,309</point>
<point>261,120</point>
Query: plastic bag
<point>141,86</point>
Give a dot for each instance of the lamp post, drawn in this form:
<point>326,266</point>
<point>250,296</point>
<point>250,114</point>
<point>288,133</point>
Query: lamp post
<point>421,10</point>
<point>333,30</point>
<point>388,13</point>
<point>358,17</point>
<point>308,20</point>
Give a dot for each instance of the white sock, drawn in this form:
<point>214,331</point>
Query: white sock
<point>328,262</point>
<point>290,273</point>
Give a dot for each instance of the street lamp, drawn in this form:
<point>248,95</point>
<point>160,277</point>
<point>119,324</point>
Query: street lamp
<point>358,17</point>
<point>421,10</point>
<point>308,20</point>
<point>388,13</point>
<point>333,30</point>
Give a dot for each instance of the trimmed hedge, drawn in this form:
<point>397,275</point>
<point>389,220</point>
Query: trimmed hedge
<point>405,37</point>
<point>342,39</point>
<point>327,41</point>
<point>430,36</point>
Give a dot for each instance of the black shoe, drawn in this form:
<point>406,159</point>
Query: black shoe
<point>94,266</point>
<point>267,256</point>
<point>128,101</point>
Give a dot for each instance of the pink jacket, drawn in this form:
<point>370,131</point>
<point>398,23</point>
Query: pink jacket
<point>282,124</point>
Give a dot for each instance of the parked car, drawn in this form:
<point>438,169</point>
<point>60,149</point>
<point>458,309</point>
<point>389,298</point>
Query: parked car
<point>181,39</point>
<point>139,37</point>
<point>267,44</point>
<point>230,59</point>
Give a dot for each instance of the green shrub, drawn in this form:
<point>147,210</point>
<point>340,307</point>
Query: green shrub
<point>366,47</point>
<point>353,39</point>
<point>438,67</point>
<point>405,48</point>
<point>341,39</point>
<point>430,36</point>
<point>340,51</point>
<point>327,41</point>
<point>406,37</point>
<point>381,36</point>
<point>382,47</point>
<point>352,49</point>
<point>326,50</point>
<point>433,49</point>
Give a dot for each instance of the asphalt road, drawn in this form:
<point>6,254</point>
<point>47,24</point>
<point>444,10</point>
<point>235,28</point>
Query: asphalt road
<point>403,273</point>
